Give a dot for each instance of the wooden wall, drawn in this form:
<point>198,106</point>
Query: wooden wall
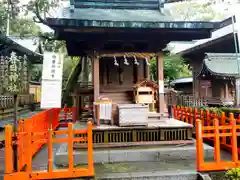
<point>122,76</point>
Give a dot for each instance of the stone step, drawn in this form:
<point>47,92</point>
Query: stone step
<point>154,115</point>
<point>176,153</point>
<point>159,175</point>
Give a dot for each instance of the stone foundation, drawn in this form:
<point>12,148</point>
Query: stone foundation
<point>138,154</point>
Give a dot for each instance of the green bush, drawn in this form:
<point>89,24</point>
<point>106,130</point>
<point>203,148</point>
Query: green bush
<point>233,174</point>
<point>230,109</point>
<point>216,110</point>
<point>234,110</point>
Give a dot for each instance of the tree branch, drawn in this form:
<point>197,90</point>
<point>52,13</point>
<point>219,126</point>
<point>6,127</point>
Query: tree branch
<point>38,16</point>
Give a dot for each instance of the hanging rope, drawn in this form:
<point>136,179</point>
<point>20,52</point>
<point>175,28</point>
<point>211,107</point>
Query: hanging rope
<point>125,60</point>
<point>115,61</point>
<point>136,61</point>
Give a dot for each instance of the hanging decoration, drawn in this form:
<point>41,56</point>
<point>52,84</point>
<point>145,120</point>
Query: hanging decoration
<point>147,61</point>
<point>125,61</point>
<point>115,61</point>
<point>136,61</point>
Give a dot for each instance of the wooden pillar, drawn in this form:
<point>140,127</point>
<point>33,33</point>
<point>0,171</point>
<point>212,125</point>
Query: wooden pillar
<point>95,73</point>
<point>226,90</point>
<point>146,71</point>
<point>75,99</point>
<point>160,79</point>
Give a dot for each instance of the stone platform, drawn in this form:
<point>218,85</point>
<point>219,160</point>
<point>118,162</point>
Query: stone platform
<point>135,154</point>
<point>164,122</point>
<point>157,132</point>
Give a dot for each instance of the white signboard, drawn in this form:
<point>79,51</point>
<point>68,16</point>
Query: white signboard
<point>52,66</point>
<point>51,94</point>
<point>51,91</point>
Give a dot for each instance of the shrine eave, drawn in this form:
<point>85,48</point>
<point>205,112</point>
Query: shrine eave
<point>222,41</point>
<point>9,45</point>
<point>178,25</point>
<point>182,80</point>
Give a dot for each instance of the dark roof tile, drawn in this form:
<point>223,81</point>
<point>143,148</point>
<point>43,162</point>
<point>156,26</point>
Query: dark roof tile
<point>222,64</point>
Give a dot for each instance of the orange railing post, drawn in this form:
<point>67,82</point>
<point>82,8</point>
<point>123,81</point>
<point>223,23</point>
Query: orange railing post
<point>90,149</point>
<point>199,145</point>
<point>191,116</point>
<point>223,121</point>
<point>234,139</point>
<point>8,150</point>
<point>50,150</point>
<point>216,141</point>
<point>177,113</point>
<point>65,110</point>
<point>208,119</point>
<point>28,148</point>
<point>20,147</point>
<point>186,115</point>
<point>201,117</point>
<point>195,114</point>
<point>70,147</point>
<point>183,114</point>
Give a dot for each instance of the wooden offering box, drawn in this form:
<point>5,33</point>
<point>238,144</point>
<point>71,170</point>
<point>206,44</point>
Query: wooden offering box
<point>144,93</point>
<point>132,114</point>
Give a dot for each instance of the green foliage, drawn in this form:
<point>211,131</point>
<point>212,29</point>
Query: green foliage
<point>19,25</point>
<point>68,66</point>
<point>194,11</point>
<point>230,109</point>
<point>174,67</point>
<point>24,27</point>
<point>36,73</point>
<point>233,174</point>
<point>216,110</point>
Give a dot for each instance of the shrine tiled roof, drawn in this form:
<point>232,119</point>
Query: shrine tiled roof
<point>146,82</point>
<point>13,43</point>
<point>220,34</point>
<point>222,64</point>
<point>182,80</point>
<point>131,18</point>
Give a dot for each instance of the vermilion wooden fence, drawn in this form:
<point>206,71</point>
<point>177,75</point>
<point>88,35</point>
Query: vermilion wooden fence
<point>218,133</point>
<point>67,115</point>
<point>32,138</point>
<point>39,124</point>
<point>221,130</point>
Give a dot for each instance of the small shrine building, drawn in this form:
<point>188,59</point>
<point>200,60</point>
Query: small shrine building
<point>120,38</point>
